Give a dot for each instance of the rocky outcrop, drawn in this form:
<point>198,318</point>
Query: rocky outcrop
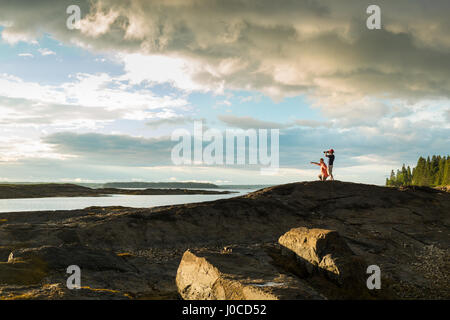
<point>237,274</point>
<point>138,251</point>
<point>324,251</point>
<point>306,262</point>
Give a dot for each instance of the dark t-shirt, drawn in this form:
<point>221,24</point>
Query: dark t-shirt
<point>330,159</point>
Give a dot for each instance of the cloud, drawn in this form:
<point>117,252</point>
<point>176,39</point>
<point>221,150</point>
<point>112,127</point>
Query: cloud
<point>313,123</point>
<point>155,69</point>
<point>28,55</point>
<point>90,97</point>
<point>380,90</point>
<point>318,48</point>
<point>46,52</point>
<point>112,149</point>
<point>172,121</point>
<point>390,144</point>
<point>361,153</point>
<point>247,122</point>
<point>12,37</point>
<point>19,112</point>
<point>15,148</point>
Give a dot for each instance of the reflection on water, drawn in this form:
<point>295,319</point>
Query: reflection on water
<point>134,201</point>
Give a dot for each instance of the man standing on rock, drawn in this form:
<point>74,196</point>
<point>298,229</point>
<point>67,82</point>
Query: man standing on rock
<point>330,155</point>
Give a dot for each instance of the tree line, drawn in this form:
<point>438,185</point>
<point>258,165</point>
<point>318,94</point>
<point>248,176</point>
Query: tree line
<point>431,172</point>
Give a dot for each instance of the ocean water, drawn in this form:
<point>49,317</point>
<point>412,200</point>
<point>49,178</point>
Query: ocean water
<point>134,201</point>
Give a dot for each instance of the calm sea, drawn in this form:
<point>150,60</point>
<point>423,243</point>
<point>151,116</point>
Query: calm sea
<point>141,201</point>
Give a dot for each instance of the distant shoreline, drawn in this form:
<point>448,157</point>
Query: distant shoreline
<point>149,185</point>
<point>47,190</point>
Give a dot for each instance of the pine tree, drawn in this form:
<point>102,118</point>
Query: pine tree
<point>391,181</point>
<point>446,176</point>
<point>434,171</point>
<point>419,172</point>
<point>428,172</point>
<point>403,179</point>
<point>409,174</point>
<point>439,177</point>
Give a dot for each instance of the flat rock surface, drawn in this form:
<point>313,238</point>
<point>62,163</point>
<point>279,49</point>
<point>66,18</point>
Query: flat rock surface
<point>404,232</point>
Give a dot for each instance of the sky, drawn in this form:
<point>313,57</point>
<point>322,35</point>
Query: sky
<point>100,102</point>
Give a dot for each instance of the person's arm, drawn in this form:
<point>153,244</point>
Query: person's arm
<point>316,163</point>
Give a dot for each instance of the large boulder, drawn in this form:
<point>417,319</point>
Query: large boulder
<point>242,274</point>
<point>324,251</point>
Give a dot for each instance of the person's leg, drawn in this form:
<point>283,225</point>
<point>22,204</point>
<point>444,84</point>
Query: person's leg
<point>320,177</point>
<point>330,172</point>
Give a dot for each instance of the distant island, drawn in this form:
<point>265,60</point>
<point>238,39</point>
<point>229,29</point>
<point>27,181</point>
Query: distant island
<point>202,185</point>
<point>44,190</point>
<point>160,185</point>
<point>430,172</point>
<point>145,185</point>
<point>245,186</point>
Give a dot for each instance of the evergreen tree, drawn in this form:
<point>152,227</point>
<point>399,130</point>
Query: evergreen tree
<point>419,172</point>
<point>432,172</point>
<point>428,171</point>
<point>403,179</point>
<point>446,175</point>
<point>409,174</point>
<point>391,180</point>
<point>439,177</point>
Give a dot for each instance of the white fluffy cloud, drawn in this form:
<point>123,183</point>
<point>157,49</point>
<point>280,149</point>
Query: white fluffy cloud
<point>30,110</point>
<point>46,52</point>
<point>155,69</point>
<point>98,97</point>
<point>26,54</point>
<point>15,148</point>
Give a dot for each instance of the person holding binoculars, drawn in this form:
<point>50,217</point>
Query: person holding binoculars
<point>330,155</point>
<point>326,171</point>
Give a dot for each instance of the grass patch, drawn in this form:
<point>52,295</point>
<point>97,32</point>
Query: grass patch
<point>100,290</point>
<point>124,254</point>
